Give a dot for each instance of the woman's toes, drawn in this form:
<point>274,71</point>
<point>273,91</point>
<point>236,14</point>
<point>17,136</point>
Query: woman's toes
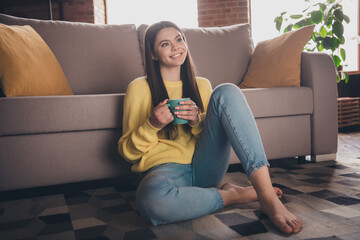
<point>282,219</point>
<point>296,225</point>
<point>285,228</point>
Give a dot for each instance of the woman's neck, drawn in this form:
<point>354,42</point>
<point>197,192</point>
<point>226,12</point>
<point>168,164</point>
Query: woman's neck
<point>170,74</point>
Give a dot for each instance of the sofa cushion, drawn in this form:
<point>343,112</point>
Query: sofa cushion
<point>221,54</point>
<point>27,65</point>
<point>95,58</point>
<point>281,101</point>
<point>277,62</point>
<point>47,114</point>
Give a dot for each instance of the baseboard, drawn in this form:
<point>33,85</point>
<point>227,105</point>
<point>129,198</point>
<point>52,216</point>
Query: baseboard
<point>323,157</point>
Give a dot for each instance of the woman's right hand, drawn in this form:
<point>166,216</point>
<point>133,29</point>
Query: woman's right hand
<point>161,115</point>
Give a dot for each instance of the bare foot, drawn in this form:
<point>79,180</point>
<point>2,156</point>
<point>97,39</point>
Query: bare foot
<point>284,220</point>
<point>246,194</point>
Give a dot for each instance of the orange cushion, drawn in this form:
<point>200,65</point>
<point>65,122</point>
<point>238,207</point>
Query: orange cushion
<point>277,62</point>
<point>27,65</point>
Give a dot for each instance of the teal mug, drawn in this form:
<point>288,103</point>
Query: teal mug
<point>174,103</point>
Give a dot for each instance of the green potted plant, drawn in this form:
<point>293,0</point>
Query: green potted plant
<point>328,36</point>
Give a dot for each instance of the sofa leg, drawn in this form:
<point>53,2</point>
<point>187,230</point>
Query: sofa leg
<point>323,157</point>
<point>301,159</point>
<point>304,159</point>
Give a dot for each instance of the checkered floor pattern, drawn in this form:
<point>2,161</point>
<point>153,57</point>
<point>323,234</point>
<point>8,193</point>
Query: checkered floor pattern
<point>326,196</point>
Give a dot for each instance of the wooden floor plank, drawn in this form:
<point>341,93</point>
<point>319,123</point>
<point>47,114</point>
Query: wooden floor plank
<point>349,144</point>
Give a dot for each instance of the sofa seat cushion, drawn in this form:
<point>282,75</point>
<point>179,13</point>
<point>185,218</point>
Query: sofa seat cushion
<point>279,101</point>
<point>45,114</point>
<point>96,58</point>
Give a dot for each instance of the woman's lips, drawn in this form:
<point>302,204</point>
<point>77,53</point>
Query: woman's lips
<point>176,55</point>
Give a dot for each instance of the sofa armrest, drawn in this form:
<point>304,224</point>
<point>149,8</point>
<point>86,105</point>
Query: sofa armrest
<point>318,73</point>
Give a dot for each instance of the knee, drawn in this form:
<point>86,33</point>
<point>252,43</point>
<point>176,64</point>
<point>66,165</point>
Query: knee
<point>147,207</point>
<point>228,92</point>
<point>151,201</point>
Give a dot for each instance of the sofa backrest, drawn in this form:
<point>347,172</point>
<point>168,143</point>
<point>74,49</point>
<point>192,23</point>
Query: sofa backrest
<point>100,59</point>
<point>221,54</point>
<point>95,58</point>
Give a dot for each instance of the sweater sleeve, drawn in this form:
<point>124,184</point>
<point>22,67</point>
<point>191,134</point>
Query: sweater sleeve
<point>139,136</point>
<point>205,89</point>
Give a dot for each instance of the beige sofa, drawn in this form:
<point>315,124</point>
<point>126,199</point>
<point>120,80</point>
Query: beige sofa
<point>61,139</point>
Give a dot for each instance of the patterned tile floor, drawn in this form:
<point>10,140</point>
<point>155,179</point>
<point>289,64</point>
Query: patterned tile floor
<point>325,195</point>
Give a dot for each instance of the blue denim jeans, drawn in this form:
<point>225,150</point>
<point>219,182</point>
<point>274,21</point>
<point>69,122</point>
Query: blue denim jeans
<point>176,192</point>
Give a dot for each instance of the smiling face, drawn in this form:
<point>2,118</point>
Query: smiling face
<point>169,48</point>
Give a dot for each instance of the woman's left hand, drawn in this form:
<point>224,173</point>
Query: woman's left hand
<point>190,113</point>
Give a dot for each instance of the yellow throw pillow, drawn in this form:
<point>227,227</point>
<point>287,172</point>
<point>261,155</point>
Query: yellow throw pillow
<point>277,62</point>
<point>27,65</point>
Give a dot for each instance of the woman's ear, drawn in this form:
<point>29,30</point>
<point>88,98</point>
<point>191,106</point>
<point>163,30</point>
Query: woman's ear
<point>153,56</point>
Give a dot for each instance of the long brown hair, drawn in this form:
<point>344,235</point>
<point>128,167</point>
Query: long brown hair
<point>155,80</point>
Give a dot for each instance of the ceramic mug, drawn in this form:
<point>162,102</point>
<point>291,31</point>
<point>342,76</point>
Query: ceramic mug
<point>174,103</point>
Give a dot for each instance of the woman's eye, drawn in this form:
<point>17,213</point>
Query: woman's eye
<point>164,44</point>
<point>179,39</point>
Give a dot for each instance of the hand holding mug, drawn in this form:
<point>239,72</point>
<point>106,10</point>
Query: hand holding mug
<point>161,115</point>
<point>188,111</point>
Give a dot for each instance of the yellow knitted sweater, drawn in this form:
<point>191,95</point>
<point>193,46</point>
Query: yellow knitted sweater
<point>144,145</point>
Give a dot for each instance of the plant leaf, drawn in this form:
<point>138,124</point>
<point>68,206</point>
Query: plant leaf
<point>327,43</point>
<point>336,60</point>
<point>328,21</point>
<point>296,16</point>
<point>320,47</point>
<point>308,22</point>
<point>322,7</point>
<point>338,29</point>
<point>336,44</point>
<point>342,40</point>
<point>331,43</point>
<point>288,28</point>
<point>278,21</point>
<point>346,77</point>
<point>299,24</point>
<point>323,32</point>
<point>346,18</point>
<point>311,49</point>
<point>339,15</point>
<point>343,54</point>
<point>316,16</point>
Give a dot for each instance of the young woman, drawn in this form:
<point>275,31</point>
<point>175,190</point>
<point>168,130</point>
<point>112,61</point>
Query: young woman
<point>182,165</point>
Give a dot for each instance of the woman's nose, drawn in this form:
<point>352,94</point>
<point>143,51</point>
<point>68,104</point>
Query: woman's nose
<point>175,46</point>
